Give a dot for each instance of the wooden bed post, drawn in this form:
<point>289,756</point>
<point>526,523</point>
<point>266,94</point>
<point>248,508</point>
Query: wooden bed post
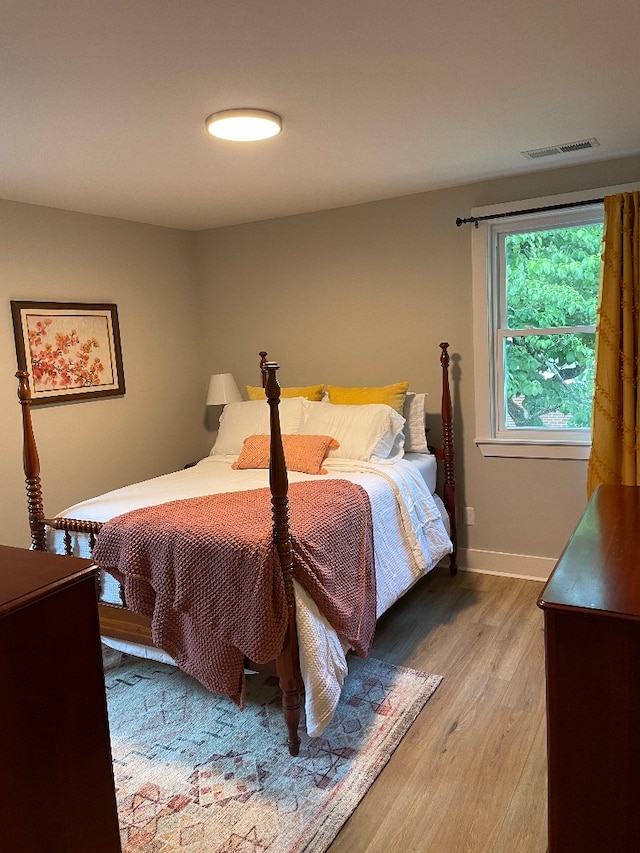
<point>288,662</point>
<point>31,463</point>
<point>449,487</point>
<point>263,368</point>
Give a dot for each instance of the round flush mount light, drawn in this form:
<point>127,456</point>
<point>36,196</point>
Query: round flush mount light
<point>246,125</point>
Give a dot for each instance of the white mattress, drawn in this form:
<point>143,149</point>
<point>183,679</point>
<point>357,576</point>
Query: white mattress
<point>427,465</point>
<point>410,538</point>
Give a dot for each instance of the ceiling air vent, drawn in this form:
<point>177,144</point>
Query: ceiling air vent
<point>566,148</point>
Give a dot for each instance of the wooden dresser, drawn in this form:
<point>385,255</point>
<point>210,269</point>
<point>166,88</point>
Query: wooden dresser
<point>591,607</point>
<point>56,776</point>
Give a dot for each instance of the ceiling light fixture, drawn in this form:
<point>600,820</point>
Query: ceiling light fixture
<point>246,125</point>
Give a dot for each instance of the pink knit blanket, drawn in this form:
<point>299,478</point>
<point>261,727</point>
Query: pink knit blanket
<point>207,573</point>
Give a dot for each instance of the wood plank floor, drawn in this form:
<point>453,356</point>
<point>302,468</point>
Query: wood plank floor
<point>470,775</point>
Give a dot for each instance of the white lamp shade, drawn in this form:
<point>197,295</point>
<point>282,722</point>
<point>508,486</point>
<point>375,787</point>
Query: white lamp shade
<point>222,389</point>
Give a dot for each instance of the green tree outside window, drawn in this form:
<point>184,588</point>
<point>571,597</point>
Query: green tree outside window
<point>551,295</point>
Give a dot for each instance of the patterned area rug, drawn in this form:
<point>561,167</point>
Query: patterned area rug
<point>196,775</point>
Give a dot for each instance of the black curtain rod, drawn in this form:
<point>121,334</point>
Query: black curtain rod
<point>476,219</point>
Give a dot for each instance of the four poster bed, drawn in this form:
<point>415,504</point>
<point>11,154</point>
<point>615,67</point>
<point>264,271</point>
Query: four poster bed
<point>279,550</point>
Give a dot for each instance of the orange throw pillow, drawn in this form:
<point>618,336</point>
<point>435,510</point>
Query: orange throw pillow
<point>304,453</point>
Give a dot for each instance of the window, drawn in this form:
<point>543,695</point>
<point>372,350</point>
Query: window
<point>545,274</point>
<point>534,318</point>
<point>535,289</point>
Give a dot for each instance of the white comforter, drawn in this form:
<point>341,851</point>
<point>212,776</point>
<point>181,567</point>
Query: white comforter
<point>409,540</point>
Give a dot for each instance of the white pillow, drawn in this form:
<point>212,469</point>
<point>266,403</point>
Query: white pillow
<point>415,438</point>
<point>371,432</point>
<point>251,417</point>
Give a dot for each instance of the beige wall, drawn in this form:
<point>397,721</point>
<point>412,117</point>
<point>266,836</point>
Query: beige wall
<point>364,295</point>
<point>89,447</point>
<point>358,295</point>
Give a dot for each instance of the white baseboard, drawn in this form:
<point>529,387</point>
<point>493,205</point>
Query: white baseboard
<point>510,565</point>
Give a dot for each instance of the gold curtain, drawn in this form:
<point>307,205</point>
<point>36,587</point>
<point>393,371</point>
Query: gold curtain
<point>615,430</point>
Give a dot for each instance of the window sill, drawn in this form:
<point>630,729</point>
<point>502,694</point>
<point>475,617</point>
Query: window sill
<point>519,449</point>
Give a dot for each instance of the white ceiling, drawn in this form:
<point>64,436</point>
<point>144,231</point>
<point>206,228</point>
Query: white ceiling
<point>103,102</point>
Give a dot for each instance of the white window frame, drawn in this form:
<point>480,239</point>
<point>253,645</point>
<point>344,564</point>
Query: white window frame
<point>490,438</point>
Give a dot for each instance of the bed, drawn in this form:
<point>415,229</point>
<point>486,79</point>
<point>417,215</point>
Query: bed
<point>315,589</point>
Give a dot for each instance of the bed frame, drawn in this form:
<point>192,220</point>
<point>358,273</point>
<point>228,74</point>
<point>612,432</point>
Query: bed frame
<point>117,622</point>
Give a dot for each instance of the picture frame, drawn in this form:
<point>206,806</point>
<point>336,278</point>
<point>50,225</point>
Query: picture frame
<point>71,350</point>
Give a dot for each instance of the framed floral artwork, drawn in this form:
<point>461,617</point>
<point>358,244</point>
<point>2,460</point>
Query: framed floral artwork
<point>70,350</point>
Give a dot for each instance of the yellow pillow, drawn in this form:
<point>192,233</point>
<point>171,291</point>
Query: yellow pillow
<point>311,392</point>
<point>392,395</point>
<point>304,453</point>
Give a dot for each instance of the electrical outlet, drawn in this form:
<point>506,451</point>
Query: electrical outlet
<point>469,515</point>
